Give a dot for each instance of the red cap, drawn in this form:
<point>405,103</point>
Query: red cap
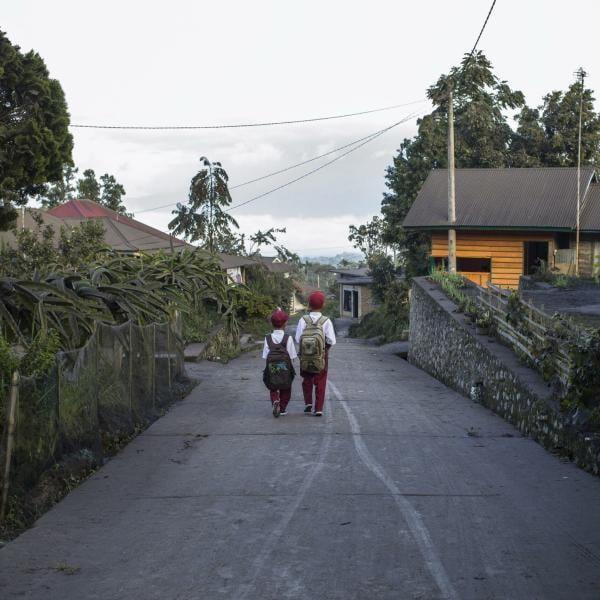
<point>279,318</point>
<point>316,300</point>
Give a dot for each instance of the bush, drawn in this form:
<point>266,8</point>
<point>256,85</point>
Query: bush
<point>389,320</point>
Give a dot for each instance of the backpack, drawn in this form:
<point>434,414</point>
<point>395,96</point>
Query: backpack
<point>279,371</point>
<point>312,346</point>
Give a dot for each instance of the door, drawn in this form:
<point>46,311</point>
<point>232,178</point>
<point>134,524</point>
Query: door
<point>355,305</point>
<point>535,254</point>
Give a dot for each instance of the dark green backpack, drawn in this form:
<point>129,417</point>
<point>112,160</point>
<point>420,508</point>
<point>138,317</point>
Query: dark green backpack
<point>312,346</point>
<point>279,371</point>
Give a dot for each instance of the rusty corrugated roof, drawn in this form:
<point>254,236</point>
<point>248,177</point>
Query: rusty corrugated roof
<point>529,198</point>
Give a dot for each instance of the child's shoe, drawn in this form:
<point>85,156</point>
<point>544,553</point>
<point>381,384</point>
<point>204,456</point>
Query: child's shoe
<point>276,409</point>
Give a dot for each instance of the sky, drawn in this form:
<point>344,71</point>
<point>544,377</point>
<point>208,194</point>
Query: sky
<point>194,62</point>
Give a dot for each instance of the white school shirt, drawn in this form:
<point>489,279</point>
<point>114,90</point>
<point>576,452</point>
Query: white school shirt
<point>327,328</point>
<point>277,337</point>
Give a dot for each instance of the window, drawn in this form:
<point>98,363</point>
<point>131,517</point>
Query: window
<point>474,265</point>
<point>466,265</point>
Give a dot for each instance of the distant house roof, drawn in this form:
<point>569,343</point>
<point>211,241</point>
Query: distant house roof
<point>232,261</point>
<point>123,234</point>
<point>359,276</point>
<point>529,198</point>
<point>361,272</point>
<point>366,280</point>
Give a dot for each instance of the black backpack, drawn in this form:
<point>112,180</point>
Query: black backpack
<point>279,372</point>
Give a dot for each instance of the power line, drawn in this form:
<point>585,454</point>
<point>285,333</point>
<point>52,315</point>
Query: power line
<point>370,139</point>
<point>464,68</point>
<point>294,166</point>
<point>481,31</point>
<point>300,164</point>
<point>241,125</point>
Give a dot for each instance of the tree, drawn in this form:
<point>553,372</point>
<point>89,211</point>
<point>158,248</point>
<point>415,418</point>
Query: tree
<point>368,238</point>
<point>88,186</point>
<point>35,142</point>
<point>548,136</point>
<point>38,250</point>
<point>205,218</point>
<point>107,192</point>
<point>112,193</point>
<point>60,191</point>
<point>483,139</point>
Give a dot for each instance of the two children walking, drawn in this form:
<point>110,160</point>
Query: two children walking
<point>315,336</point>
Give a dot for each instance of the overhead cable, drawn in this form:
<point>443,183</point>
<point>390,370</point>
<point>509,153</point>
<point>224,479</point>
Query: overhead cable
<point>279,187</point>
<point>242,125</point>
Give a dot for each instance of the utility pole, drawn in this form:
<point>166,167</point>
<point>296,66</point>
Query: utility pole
<point>581,76</point>
<point>451,186</point>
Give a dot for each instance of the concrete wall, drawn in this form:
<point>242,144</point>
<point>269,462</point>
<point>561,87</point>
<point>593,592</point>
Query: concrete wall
<point>446,345</point>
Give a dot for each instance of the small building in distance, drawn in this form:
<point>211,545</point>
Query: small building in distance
<point>509,221</point>
<point>355,293</point>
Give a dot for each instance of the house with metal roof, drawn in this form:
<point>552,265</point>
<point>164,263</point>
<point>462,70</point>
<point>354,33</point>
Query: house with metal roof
<point>355,294</point>
<point>510,220</point>
<point>121,233</point>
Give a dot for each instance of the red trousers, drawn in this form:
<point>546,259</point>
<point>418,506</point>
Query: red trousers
<point>318,381</point>
<point>282,395</point>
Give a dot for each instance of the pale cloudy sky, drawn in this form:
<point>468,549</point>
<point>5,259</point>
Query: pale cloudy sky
<point>187,62</point>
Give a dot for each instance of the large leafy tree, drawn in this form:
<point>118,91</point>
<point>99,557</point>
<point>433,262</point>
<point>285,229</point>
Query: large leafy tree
<point>482,139</point>
<point>35,142</point>
<point>204,218</point>
<point>548,135</point>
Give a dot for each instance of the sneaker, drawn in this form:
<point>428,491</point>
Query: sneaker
<point>308,408</point>
<point>318,413</point>
<point>276,409</point>
<point>283,412</point>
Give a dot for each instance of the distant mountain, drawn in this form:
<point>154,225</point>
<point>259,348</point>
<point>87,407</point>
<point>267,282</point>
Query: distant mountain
<point>334,260</point>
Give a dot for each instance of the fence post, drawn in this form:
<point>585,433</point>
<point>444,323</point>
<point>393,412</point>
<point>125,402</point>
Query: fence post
<point>131,372</point>
<point>169,356</point>
<point>154,368</point>
<point>14,397</point>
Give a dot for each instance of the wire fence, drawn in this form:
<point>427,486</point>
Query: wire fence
<point>124,377</point>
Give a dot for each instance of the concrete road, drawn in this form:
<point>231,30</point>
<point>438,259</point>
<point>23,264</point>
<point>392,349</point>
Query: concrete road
<point>404,490</point>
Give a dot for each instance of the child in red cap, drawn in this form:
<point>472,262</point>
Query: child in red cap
<point>319,327</point>
<point>279,351</point>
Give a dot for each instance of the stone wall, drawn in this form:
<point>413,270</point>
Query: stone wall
<point>448,346</point>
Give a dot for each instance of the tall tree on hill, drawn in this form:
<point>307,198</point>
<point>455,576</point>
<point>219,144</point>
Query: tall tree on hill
<point>35,142</point>
<point>204,218</point>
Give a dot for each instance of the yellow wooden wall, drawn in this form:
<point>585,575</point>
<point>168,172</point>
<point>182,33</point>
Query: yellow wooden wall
<point>506,250</point>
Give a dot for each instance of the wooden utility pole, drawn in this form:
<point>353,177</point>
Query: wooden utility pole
<point>451,187</point>
<point>581,76</point>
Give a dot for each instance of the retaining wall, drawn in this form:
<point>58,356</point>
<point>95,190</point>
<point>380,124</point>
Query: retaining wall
<point>448,346</point>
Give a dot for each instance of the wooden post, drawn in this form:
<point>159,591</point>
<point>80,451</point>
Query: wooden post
<point>451,187</point>
<point>581,75</point>
<point>169,355</point>
<point>10,438</point>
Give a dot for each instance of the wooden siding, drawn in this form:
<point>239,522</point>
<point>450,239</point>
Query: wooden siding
<point>505,249</point>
